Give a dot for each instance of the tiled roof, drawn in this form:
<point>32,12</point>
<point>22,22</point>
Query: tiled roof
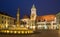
<point>46,17</point>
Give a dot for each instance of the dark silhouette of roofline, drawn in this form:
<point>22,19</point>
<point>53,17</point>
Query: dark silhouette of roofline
<point>4,13</point>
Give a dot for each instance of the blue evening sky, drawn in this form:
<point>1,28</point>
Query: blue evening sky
<point>43,7</point>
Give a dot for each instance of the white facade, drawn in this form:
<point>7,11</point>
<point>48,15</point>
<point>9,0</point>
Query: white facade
<point>33,13</point>
<point>47,25</point>
<point>40,25</point>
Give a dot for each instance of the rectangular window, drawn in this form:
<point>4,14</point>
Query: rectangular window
<point>2,22</point>
<point>48,24</point>
<point>2,17</point>
<point>54,24</point>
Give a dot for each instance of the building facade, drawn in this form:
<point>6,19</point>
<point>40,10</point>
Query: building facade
<point>42,22</point>
<point>33,22</point>
<point>6,20</point>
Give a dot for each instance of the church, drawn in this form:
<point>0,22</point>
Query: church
<point>41,22</point>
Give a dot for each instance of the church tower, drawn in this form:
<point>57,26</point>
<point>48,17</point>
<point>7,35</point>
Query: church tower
<point>33,13</point>
<point>33,17</point>
<point>18,17</point>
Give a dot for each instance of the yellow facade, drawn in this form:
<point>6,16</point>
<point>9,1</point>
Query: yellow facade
<point>6,20</point>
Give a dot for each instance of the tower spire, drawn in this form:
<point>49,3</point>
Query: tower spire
<point>33,13</point>
<point>18,17</point>
<point>33,6</point>
<point>18,11</point>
